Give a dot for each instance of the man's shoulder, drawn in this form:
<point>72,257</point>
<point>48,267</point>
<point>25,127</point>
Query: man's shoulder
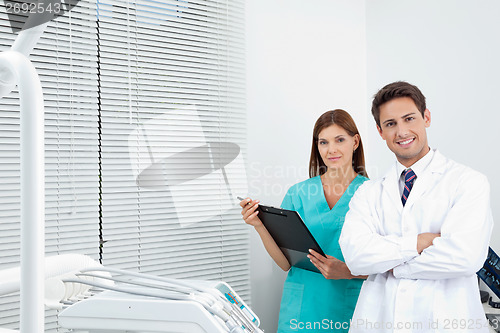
<point>458,171</point>
<point>369,186</point>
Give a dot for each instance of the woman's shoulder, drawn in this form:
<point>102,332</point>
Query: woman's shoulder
<point>359,180</point>
<point>314,181</point>
<point>365,185</point>
<point>356,184</point>
<point>305,186</point>
<point>362,178</point>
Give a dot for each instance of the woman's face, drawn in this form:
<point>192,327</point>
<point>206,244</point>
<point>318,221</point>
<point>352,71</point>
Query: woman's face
<point>336,147</point>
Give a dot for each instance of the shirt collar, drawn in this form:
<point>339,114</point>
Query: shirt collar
<point>419,166</point>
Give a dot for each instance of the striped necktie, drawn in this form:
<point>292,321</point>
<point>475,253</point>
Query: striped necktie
<point>409,179</point>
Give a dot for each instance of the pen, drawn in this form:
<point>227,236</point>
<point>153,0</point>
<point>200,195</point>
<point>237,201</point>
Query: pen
<point>241,199</point>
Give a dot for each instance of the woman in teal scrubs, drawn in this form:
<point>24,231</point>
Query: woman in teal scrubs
<point>325,302</point>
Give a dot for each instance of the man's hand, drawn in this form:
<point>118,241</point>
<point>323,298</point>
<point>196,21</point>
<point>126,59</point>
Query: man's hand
<point>425,240</point>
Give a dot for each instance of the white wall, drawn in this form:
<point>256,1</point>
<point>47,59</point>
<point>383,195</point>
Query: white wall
<point>304,58</point>
<point>450,50</point>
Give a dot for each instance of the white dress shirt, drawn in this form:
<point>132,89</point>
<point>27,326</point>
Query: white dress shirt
<point>437,290</point>
<point>417,168</point>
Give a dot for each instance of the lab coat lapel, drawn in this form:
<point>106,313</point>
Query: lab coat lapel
<point>427,180</point>
<point>422,184</point>
<point>390,184</point>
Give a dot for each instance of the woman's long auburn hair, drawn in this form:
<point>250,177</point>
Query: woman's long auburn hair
<point>343,119</point>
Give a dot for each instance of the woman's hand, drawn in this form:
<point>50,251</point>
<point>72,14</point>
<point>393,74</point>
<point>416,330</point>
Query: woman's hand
<point>250,212</point>
<point>329,266</point>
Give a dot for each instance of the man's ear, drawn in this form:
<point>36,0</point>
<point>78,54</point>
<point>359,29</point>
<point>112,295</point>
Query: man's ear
<point>427,118</point>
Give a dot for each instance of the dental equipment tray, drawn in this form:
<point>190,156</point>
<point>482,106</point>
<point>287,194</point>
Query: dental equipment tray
<point>291,235</point>
<point>120,312</point>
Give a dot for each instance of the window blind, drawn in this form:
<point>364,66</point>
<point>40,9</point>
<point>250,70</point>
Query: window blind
<point>172,101</point>
<point>145,139</point>
<point>66,61</point>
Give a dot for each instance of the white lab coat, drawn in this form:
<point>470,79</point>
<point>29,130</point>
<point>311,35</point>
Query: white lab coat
<point>436,291</point>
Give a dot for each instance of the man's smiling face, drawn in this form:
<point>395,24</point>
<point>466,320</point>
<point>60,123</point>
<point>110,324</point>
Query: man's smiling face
<point>403,129</point>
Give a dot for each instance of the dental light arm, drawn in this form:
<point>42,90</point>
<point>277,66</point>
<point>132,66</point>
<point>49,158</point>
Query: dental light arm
<point>27,39</point>
<point>17,69</point>
<point>24,44</point>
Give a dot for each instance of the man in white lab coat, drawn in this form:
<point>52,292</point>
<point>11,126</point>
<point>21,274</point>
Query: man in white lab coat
<point>421,232</point>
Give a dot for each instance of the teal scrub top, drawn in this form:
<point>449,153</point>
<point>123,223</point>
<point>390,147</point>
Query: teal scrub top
<point>310,302</point>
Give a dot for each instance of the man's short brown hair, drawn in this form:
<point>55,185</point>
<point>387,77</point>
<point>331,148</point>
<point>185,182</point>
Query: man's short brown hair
<point>396,90</point>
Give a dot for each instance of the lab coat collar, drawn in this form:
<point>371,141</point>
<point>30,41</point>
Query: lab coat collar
<point>418,167</point>
<point>423,182</point>
<point>438,163</point>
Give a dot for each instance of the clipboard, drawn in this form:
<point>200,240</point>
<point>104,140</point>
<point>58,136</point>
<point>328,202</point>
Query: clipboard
<point>291,235</point>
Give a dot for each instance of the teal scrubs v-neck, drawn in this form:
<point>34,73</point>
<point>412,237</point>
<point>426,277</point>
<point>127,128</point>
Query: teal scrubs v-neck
<point>311,303</point>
